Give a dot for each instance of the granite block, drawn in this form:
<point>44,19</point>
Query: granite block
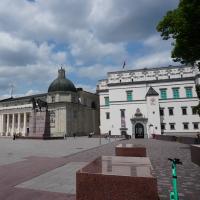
<point>117,178</point>
<point>130,150</point>
<point>195,154</point>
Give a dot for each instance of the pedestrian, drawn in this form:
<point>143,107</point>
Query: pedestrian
<point>74,134</point>
<point>14,136</point>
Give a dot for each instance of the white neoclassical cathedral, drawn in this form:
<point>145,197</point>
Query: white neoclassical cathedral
<point>63,111</point>
<point>149,101</point>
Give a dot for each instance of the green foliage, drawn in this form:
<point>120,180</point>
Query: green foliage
<point>183,26</point>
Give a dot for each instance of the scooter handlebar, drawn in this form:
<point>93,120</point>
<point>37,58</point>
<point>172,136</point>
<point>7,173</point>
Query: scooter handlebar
<point>176,161</point>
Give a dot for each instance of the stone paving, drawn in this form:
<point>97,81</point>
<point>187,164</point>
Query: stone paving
<point>37,169</point>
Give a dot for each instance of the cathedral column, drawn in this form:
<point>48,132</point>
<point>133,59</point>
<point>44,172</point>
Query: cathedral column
<point>8,119</point>
<point>2,123</point>
<point>24,124</point>
<point>18,124</point>
<point>13,124</point>
<point>4,117</point>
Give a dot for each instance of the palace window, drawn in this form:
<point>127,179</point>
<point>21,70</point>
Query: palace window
<point>196,125</point>
<point>162,126</point>
<point>163,93</point>
<point>172,126</point>
<point>194,112</point>
<point>185,125</point>
<point>171,111</point>
<point>175,93</point>
<point>161,111</point>
<point>123,122</point>
<point>122,112</point>
<point>107,103</point>
<point>184,110</point>
<point>107,115</point>
<point>129,95</point>
<point>188,92</point>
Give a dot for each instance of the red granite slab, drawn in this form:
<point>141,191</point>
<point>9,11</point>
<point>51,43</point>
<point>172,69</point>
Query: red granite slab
<point>116,178</point>
<point>130,150</point>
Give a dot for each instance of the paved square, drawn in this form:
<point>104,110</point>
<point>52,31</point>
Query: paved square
<point>45,170</point>
<point>18,150</point>
<point>61,179</point>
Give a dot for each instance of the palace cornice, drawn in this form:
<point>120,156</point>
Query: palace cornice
<point>151,69</point>
<point>152,81</point>
<point>24,98</point>
<point>102,91</point>
<point>16,110</point>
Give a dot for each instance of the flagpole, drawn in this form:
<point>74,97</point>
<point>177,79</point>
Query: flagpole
<point>123,67</point>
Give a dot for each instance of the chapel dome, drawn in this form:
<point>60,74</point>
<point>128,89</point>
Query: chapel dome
<point>61,84</point>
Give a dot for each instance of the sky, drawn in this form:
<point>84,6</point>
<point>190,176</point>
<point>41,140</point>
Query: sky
<point>87,37</point>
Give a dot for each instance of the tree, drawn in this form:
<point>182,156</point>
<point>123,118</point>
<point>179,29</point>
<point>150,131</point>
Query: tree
<point>183,26</point>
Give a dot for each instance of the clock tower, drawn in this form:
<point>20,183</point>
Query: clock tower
<point>153,112</point>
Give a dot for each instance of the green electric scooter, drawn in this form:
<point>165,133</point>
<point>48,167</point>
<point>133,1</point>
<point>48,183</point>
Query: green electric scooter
<point>174,192</point>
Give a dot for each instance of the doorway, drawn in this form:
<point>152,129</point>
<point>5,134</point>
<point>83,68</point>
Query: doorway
<point>139,130</point>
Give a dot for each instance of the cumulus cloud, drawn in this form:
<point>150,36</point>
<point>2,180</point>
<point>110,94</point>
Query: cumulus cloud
<point>32,92</point>
<point>95,71</point>
<point>14,51</point>
<point>86,48</point>
<point>157,53</point>
<point>90,36</point>
<point>153,60</point>
<point>18,52</point>
<point>128,20</point>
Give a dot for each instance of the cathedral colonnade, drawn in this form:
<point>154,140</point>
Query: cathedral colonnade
<point>15,123</point>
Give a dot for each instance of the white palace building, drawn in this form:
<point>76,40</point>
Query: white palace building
<point>149,101</point>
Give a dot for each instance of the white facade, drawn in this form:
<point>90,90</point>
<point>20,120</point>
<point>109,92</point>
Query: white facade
<point>139,92</point>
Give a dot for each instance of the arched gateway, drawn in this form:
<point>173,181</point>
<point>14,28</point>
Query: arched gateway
<point>139,125</point>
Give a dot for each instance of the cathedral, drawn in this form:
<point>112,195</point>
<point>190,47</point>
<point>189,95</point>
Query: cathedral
<point>61,112</point>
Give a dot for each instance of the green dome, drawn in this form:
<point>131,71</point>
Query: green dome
<point>61,84</point>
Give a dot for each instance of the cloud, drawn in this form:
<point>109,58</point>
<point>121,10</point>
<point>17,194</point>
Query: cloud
<point>18,52</point>
<point>153,60</point>
<point>128,20</point>
<point>86,48</point>
<point>14,51</point>
<point>32,92</point>
<point>95,71</point>
<point>90,36</point>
